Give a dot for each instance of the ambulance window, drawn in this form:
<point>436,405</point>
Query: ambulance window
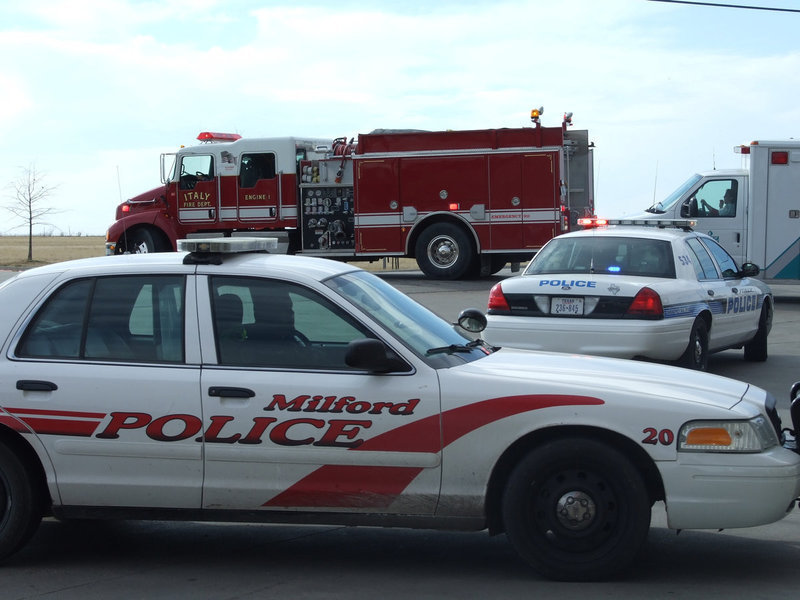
<point>126,318</point>
<point>726,264</point>
<point>196,168</point>
<point>256,167</point>
<point>701,260</point>
<point>269,323</point>
<point>716,198</point>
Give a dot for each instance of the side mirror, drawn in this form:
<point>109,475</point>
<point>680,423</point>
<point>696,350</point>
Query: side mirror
<point>373,355</point>
<point>472,320</point>
<point>749,270</point>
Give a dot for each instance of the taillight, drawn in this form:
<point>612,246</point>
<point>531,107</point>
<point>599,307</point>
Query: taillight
<point>780,158</point>
<point>497,301</point>
<point>646,305</point>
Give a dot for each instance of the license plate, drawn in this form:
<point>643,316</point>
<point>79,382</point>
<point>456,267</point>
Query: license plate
<point>566,306</point>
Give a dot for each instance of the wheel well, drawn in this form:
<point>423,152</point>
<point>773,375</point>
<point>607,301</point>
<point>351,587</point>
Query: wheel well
<point>411,241</point>
<point>505,465</point>
<point>160,239</point>
<point>27,455</point>
<point>706,316</point>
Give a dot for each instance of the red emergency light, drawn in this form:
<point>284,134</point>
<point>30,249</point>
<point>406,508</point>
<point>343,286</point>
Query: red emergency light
<point>588,222</point>
<point>780,157</point>
<point>454,206</point>
<point>210,136</point>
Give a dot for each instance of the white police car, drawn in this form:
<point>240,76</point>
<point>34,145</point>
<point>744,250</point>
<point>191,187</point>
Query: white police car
<point>247,386</point>
<point>661,292</point>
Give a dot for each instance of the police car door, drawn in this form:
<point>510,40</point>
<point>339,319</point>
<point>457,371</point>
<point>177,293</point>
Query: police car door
<point>744,299</point>
<point>289,425</point>
<point>104,385</point>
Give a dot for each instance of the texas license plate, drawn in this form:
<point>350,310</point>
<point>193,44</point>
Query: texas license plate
<point>566,306</point>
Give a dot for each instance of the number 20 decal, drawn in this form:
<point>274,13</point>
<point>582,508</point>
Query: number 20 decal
<point>653,436</point>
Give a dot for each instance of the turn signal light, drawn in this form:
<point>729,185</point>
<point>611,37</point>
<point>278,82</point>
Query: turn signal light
<point>708,436</point>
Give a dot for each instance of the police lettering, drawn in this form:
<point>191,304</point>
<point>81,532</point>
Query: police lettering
<point>335,433</point>
<point>568,283</point>
<point>740,304</point>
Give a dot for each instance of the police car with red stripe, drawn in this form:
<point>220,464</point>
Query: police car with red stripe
<point>224,383</point>
<point>661,292</point>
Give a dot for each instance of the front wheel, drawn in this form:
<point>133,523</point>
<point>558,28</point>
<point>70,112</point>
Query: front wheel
<point>444,251</point>
<point>576,510</point>
<point>20,504</point>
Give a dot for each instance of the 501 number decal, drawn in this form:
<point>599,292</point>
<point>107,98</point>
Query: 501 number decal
<point>653,436</point>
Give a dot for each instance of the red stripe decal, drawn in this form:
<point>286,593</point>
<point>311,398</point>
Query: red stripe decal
<point>55,413</point>
<point>61,426</point>
<point>343,486</point>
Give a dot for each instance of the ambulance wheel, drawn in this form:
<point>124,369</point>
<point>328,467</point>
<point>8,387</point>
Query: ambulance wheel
<point>444,251</point>
<point>696,354</point>
<point>576,510</point>
<point>756,349</point>
<point>20,504</point>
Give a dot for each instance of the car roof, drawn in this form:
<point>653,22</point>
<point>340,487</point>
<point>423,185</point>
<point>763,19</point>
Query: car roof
<point>275,265</point>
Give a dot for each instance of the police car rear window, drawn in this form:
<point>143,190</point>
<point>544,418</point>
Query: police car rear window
<point>605,255</point>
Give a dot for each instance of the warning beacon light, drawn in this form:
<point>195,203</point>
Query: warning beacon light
<point>536,113</point>
<point>211,136</point>
<point>567,118</point>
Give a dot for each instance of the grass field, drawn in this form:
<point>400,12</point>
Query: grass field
<point>51,249</point>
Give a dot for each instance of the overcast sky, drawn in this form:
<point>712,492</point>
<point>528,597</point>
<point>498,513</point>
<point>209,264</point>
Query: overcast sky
<point>92,91</point>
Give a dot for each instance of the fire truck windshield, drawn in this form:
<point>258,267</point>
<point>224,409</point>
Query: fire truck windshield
<point>412,324</point>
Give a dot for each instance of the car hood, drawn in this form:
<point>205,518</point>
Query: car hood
<point>594,374</point>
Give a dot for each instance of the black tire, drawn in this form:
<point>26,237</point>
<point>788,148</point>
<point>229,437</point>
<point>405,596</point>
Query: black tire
<point>140,241</point>
<point>696,354</point>
<point>444,251</point>
<point>576,509</point>
<point>497,264</point>
<point>20,504</point>
<point>756,349</point>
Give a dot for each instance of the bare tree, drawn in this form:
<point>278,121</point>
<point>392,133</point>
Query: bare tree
<point>29,192</point>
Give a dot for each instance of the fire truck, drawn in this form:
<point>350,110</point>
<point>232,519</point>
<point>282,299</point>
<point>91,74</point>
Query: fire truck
<point>462,203</point>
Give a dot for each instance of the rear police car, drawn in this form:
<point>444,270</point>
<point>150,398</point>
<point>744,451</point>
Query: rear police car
<point>661,292</point>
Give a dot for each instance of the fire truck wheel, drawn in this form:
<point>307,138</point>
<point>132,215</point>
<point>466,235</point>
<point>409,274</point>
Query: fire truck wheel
<point>20,506</point>
<point>576,509</point>
<point>444,251</point>
<point>141,241</point>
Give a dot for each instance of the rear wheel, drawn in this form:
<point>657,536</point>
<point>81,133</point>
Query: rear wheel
<point>20,504</point>
<point>696,354</point>
<point>444,251</point>
<point>576,510</point>
<point>756,349</point>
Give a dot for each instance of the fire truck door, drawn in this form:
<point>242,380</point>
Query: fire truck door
<point>257,188</point>
<point>505,201</point>
<point>197,190</point>
<point>541,201</point>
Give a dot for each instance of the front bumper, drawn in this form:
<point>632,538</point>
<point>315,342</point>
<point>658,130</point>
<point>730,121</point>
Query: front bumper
<point>720,491</point>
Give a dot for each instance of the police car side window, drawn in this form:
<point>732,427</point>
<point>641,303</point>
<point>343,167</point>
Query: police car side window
<point>270,323</point>
<point>726,263</point>
<point>126,318</point>
<point>703,265</point>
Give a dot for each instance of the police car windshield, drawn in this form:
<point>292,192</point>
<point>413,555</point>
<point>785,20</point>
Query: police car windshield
<point>604,255</point>
<point>412,324</point>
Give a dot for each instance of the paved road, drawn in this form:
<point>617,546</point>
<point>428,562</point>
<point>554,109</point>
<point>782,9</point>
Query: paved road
<point>156,560</point>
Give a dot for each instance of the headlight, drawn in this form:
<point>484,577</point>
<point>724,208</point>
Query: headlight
<point>755,435</point>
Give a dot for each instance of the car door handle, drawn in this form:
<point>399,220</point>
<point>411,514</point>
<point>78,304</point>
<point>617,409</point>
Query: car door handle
<point>34,385</point>
<point>230,392</point>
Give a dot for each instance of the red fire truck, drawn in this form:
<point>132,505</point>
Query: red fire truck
<point>462,203</point>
